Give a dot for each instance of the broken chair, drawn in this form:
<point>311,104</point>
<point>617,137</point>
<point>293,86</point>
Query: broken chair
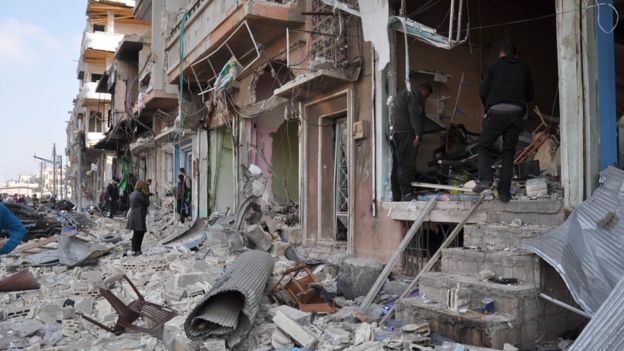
<point>155,315</point>
<point>302,293</point>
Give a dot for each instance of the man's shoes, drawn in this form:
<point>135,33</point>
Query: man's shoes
<point>481,187</point>
<point>504,198</point>
<point>137,253</point>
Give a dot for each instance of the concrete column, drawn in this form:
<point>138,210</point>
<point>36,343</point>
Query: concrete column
<point>110,22</point>
<point>571,99</point>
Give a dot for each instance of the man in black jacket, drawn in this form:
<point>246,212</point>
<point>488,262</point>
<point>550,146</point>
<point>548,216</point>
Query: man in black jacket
<point>505,93</point>
<point>407,116</point>
<point>112,196</point>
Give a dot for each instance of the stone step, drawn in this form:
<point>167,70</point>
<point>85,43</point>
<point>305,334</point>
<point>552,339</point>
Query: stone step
<point>521,265</point>
<point>473,328</point>
<point>543,212</point>
<point>497,237</point>
<point>519,301</point>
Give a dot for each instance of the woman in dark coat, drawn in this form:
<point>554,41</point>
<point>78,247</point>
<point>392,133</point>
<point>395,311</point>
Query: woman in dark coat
<point>139,202</point>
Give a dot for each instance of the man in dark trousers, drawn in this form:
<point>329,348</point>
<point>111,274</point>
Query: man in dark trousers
<point>112,196</point>
<point>405,134</point>
<point>505,93</point>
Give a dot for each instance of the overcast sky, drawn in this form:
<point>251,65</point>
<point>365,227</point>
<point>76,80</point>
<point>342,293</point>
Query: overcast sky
<point>39,46</point>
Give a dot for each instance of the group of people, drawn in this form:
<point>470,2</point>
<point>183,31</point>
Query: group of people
<point>505,92</point>
<point>139,202</point>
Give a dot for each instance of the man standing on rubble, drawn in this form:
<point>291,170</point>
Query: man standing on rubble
<point>139,203</point>
<point>112,196</point>
<point>505,93</point>
<point>405,134</point>
<point>13,226</point>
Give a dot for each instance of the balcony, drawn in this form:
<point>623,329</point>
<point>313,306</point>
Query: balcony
<point>88,92</point>
<point>97,46</point>
<point>212,22</point>
<point>94,138</point>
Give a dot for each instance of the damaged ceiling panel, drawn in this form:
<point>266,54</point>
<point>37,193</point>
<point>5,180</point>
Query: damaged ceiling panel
<point>586,250</point>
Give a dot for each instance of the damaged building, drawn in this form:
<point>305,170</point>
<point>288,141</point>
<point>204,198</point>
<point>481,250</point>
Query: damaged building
<point>278,111</point>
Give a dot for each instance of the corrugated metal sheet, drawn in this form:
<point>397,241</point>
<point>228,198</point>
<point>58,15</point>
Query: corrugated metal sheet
<point>21,281</point>
<point>588,256</point>
<point>606,330</point>
<point>230,307</point>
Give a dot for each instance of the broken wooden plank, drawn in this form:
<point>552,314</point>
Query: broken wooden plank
<point>441,186</point>
<point>397,255</point>
<point>294,330</point>
<point>435,256</point>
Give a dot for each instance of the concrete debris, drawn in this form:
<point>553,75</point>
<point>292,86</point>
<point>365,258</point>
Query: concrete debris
<point>294,330</point>
<point>260,240</point>
<point>357,276</point>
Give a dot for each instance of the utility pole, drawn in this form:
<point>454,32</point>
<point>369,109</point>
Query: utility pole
<point>60,162</point>
<point>79,180</point>
<point>54,169</point>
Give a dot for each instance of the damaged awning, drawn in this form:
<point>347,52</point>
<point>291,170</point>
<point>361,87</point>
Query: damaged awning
<point>372,26</point>
<point>587,249</point>
<point>240,50</point>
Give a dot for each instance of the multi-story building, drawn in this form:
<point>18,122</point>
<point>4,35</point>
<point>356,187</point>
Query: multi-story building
<point>93,142</point>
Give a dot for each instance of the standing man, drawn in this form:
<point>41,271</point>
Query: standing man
<point>406,130</point>
<point>13,226</point>
<point>505,93</point>
<point>112,196</point>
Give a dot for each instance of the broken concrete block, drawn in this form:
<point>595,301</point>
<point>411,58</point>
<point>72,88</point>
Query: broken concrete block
<point>509,347</point>
<point>394,287</point>
<point>28,327</point>
<point>295,314</point>
<point>214,345</point>
<point>181,281</point>
<point>84,305</point>
<point>174,337</point>
<point>537,187</point>
<point>292,234</point>
<point>50,314</point>
<point>459,299</point>
<point>369,346</point>
<point>279,248</point>
<point>357,276</point>
<point>281,341</point>
<point>294,330</point>
<point>261,239</point>
<point>337,336</point>
<point>362,334</point>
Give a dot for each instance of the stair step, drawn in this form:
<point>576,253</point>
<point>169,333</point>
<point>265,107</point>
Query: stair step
<point>521,265</point>
<point>546,212</point>
<point>473,328</point>
<point>498,237</point>
<point>519,301</point>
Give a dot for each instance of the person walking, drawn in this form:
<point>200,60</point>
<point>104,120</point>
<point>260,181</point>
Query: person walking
<point>505,93</point>
<point>112,196</point>
<point>14,228</point>
<point>406,130</point>
<point>139,202</point>
<point>181,196</point>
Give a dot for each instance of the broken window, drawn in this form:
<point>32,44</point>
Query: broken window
<point>96,123</point>
<point>99,28</point>
<point>95,77</point>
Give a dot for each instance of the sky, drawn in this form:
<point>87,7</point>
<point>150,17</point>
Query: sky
<point>39,48</point>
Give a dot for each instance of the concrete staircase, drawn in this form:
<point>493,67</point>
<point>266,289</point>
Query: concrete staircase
<point>520,316</point>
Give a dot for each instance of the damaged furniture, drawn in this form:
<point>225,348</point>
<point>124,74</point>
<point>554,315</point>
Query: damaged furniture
<point>304,293</point>
<point>155,315</point>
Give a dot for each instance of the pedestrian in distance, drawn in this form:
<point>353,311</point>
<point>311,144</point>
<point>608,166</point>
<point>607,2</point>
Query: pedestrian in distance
<point>139,202</point>
<point>112,196</point>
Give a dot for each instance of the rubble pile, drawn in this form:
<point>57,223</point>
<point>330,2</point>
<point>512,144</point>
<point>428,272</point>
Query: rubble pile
<point>228,282</point>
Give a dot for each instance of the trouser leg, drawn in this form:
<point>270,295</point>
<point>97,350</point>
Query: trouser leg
<point>492,129</point>
<point>510,140</point>
<point>394,179</point>
<point>406,164</point>
<point>137,240</point>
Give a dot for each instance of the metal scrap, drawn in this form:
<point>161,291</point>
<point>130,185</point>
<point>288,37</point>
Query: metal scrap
<point>229,309</point>
<point>586,251</point>
<point>21,281</point>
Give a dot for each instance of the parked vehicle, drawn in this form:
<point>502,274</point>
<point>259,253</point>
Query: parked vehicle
<point>38,225</point>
